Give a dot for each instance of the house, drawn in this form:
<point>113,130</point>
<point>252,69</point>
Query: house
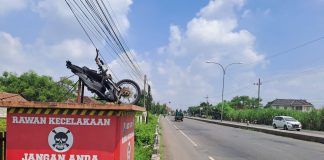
<point>293,104</point>
<point>4,96</point>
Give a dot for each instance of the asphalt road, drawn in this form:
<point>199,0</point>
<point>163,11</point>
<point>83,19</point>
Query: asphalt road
<point>195,140</point>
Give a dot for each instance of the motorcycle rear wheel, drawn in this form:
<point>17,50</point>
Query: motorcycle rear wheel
<point>129,92</point>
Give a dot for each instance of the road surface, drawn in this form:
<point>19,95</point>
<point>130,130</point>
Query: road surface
<point>195,140</point>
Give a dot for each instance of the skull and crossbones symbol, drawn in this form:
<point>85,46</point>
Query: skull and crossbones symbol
<point>60,139</point>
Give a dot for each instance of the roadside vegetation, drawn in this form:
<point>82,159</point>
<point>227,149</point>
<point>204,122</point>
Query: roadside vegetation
<point>313,120</point>
<point>145,133</point>
<point>244,108</point>
<point>34,87</point>
<point>2,125</point>
<point>144,138</point>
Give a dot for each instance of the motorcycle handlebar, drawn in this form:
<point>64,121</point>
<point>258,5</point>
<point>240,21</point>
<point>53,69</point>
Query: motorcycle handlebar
<point>97,57</point>
<point>99,62</point>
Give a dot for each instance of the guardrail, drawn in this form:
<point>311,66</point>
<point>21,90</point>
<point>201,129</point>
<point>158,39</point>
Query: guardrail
<point>2,145</point>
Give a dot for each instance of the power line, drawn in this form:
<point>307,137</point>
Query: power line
<point>296,47</point>
<point>286,51</point>
<point>97,22</point>
<point>285,76</point>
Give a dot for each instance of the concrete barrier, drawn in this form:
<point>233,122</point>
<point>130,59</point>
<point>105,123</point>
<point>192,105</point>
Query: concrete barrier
<point>296,135</point>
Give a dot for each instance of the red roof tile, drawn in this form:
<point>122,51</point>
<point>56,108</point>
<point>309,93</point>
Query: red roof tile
<point>4,96</point>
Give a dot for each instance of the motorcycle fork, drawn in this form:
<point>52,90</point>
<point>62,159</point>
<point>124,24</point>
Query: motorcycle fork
<point>114,87</point>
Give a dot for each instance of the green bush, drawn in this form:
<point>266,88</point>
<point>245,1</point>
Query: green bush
<point>322,120</point>
<point>2,125</point>
<point>144,138</point>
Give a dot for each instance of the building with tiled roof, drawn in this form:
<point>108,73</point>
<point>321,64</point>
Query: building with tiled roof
<point>293,104</point>
<point>4,96</point>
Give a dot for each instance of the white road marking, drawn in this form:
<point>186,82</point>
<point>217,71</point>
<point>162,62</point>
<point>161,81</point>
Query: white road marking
<point>195,144</point>
<point>211,158</point>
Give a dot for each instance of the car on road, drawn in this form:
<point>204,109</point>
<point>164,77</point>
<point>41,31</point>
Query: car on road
<point>286,122</point>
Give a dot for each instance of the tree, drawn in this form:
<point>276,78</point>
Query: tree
<point>243,102</point>
<point>193,110</point>
<point>34,87</point>
<point>148,100</point>
<point>226,109</point>
<point>151,106</point>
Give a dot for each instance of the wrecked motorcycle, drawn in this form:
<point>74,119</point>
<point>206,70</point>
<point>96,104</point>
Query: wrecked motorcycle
<point>125,91</point>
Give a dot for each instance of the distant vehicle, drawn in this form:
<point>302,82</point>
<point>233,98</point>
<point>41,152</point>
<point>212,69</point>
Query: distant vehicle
<point>178,116</point>
<point>286,122</point>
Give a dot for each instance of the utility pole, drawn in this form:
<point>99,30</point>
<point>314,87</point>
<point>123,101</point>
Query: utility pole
<point>207,105</point>
<point>207,99</point>
<point>258,84</point>
<point>146,112</point>
<point>144,90</point>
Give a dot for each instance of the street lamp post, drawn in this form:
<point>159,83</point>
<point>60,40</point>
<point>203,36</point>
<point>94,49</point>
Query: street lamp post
<point>224,72</point>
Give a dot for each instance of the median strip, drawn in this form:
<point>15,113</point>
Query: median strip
<point>295,135</point>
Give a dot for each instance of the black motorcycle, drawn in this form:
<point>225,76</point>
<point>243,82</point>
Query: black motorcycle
<point>125,91</point>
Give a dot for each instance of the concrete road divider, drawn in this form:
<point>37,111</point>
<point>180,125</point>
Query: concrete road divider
<point>292,134</point>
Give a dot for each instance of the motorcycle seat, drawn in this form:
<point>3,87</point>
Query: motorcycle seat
<point>92,73</point>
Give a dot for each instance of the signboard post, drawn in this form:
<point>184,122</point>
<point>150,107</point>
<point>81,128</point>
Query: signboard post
<point>41,131</point>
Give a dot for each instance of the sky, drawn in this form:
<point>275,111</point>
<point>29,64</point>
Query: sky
<point>280,42</point>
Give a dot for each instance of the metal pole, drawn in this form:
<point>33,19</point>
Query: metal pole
<point>223,94</point>
<point>78,91</point>
<point>224,71</point>
<point>82,91</point>
<point>259,93</point>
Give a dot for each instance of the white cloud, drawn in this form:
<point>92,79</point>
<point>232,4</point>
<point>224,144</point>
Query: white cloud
<point>12,5</point>
<point>43,58</point>
<point>71,48</point>
<point>60,38</point>
<point>11,52</point>
<point>221,9</point>
<point>121,9</point>
<point>50,9</point>
<point>59,12</point>
<point>246,13</point>
<point>211,35</point>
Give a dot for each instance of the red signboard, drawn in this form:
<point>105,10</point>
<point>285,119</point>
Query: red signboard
<point>69,137</point>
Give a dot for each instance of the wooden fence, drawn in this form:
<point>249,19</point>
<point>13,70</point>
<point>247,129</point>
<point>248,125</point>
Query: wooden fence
<point>2,145</point>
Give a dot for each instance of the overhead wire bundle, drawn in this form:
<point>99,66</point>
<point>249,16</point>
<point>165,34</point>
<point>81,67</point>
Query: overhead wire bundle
<point>97,22</point>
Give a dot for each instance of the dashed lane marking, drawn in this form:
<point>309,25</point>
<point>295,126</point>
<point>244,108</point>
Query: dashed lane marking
<point>211,158</point>
<point>195,144</point>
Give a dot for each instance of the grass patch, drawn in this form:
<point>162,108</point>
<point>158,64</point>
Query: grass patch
<point>144,138</point>
<point>161,144</point>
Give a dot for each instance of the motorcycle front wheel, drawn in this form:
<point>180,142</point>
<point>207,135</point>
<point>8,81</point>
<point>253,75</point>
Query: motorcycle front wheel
<point>129,92</point>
